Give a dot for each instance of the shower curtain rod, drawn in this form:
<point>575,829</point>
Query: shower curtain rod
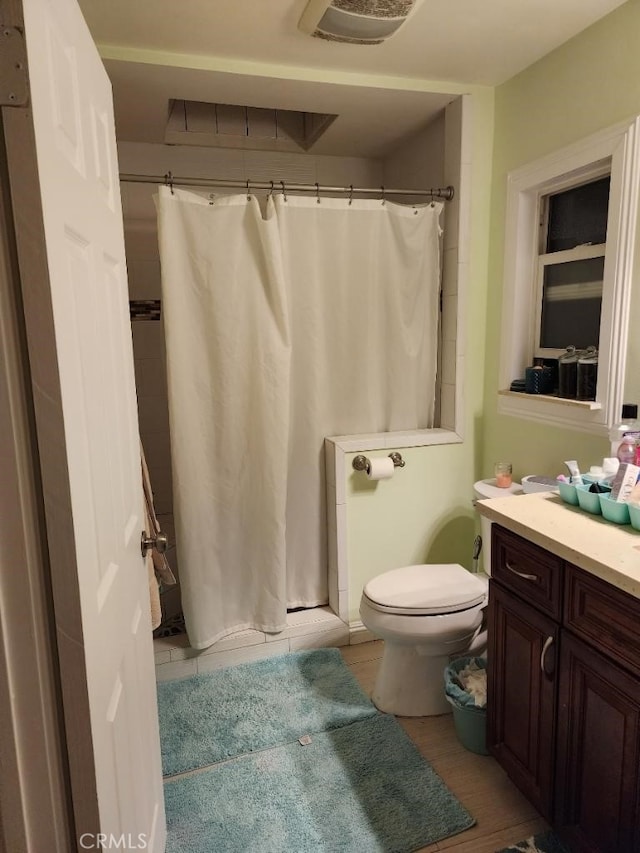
<point>444,193</point>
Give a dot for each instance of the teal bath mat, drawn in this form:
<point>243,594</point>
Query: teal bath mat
<point>363,788</point>
<point>206,718</point>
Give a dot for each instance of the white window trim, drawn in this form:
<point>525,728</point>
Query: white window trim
<point>617,147</point>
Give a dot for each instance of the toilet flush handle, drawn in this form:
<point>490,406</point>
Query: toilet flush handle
<point>477,547</point>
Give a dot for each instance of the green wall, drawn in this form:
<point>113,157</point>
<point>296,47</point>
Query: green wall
<point>590,83</point>
<point>425,513</point>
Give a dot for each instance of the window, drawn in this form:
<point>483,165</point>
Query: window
<point>569,245</point>
<point>573,233</point>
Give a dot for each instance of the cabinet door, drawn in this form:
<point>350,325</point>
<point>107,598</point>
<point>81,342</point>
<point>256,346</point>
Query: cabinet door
<point>598,760</point>
<point>521,694</point>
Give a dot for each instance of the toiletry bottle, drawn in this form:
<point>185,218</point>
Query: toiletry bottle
<point>627,449</point>
<point>628,423</point>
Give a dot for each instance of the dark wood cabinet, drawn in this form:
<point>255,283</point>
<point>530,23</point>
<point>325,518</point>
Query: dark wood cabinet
<point>521,727</point>
<point>563,709</point>
<point>598,756</point>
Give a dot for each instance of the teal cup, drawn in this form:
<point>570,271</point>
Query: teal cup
<point>588,501</point>
<point>568,493</point>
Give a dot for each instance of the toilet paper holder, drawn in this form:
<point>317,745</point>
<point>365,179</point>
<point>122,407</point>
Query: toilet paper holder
<point>362,463</point>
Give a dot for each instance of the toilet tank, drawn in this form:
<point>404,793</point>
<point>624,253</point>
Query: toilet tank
<point>483,490</point>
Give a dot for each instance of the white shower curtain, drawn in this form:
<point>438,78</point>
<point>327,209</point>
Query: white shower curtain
<point>320,319</point>
<point>362,284</point>
<point>228,377</point>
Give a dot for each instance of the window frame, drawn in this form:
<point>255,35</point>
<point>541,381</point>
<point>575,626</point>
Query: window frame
<point>615,150</point>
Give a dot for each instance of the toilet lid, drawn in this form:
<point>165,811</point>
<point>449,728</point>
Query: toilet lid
<point>426,589</point>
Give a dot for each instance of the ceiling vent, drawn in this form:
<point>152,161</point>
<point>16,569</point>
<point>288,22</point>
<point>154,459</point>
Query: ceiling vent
<point>355,21</point>
<point>236,126</point>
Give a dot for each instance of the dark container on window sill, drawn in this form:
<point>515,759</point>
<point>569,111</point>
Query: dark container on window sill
<point>587,375</point>
<point>568,374</point>
<point>538,380</point>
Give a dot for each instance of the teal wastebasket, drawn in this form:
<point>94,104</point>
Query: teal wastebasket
<point>469,720</point>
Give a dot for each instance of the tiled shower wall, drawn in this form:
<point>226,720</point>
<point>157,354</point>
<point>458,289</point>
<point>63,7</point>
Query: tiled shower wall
<point>437,156</point>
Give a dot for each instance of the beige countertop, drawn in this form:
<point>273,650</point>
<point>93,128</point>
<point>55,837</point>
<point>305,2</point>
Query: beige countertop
<point>610,551</point>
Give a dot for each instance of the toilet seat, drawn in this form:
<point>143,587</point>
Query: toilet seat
<point>425,590</point>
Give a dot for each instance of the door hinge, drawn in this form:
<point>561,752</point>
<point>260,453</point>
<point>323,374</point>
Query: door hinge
<point>14,86</point>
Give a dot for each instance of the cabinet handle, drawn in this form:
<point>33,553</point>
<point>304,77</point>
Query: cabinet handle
<point>520,574</point>
<point>548,642</point>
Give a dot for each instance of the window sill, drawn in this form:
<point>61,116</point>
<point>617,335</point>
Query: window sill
<point>586,405</point>
<point>576,415</point>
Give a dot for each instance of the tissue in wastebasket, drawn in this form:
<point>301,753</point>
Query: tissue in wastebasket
<point>474,680</point>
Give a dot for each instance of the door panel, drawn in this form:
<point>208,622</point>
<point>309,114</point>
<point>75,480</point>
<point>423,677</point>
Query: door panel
<point>598,775</point>
<point>521,697</point>
<point>99,577</point>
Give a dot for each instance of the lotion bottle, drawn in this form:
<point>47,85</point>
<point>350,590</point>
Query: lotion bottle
<point>627,449</point>
<point>628,423</point>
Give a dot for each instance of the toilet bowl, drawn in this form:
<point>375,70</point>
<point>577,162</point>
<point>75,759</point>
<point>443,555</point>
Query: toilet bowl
<point>426,614</point>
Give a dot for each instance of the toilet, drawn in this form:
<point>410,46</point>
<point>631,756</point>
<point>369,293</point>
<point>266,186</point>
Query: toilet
<point>483,490</point>
<point>427,614</point>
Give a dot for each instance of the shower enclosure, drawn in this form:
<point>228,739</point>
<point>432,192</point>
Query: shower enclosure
<point>318,318</point>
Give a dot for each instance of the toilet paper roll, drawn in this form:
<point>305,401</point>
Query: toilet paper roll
<point>380,468</point>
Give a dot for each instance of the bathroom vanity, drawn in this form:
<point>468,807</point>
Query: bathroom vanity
<point>564,667</point>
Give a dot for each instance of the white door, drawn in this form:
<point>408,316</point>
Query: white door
<point>78,173</point>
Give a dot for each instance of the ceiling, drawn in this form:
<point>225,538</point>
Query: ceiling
<point>251,52</point>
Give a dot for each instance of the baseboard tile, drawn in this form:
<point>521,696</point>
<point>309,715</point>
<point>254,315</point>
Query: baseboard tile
<point>313,629</point>
<point>359,634</point>
<point>176,669</point>
<point>219,660</point>
<point>334,638</point>
<point>162,657</point>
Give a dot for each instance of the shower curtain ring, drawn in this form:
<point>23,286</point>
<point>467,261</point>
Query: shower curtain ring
<point>271,190</point>
<point>248,193</point>
<point>350,194</point>
<point>318,193</point>
<point>383,198</point>
<point>168,182</point>
<point>284,191</point>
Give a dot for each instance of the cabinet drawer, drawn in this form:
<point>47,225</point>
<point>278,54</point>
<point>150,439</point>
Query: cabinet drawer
<point>532,572</point>
<point>603,616</point>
